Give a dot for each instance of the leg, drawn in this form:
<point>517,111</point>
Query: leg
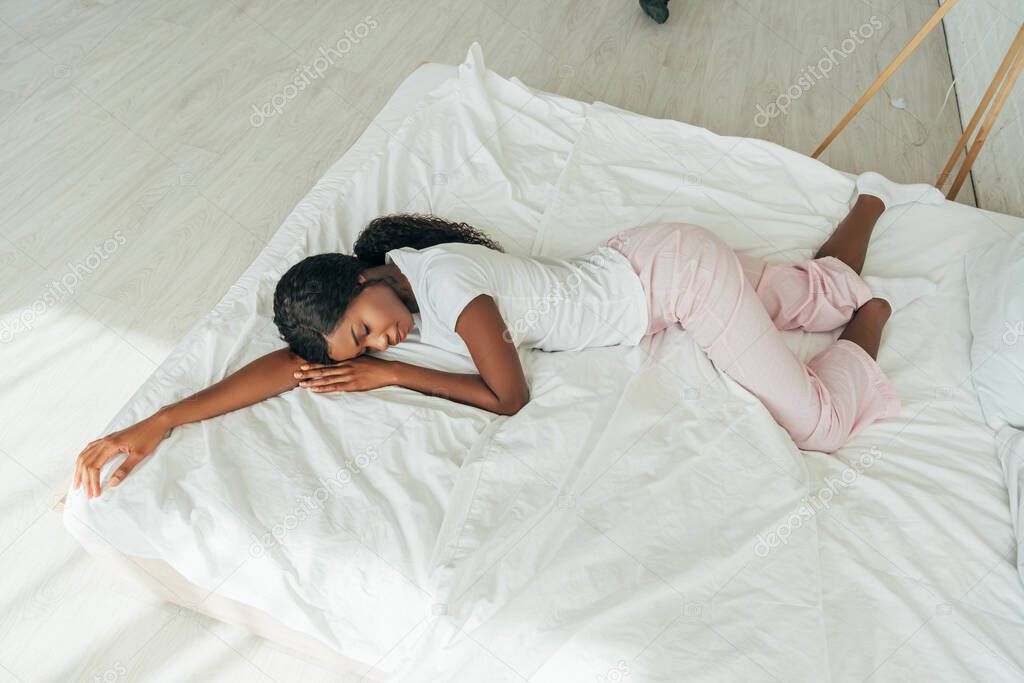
<point>822,293</point>
<point>816,295</point>
<point>694,279</point>
<point>875,193</point>
<point>865,329</point>
<point>849,242</point>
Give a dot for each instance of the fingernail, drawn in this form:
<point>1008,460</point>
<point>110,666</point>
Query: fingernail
<point>304,367</point>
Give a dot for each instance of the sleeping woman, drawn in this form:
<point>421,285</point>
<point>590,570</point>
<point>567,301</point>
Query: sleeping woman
<point>464,294</point>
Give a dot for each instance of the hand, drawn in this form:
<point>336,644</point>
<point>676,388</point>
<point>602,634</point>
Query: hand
<point>137,441</point>
<point>361,373</point>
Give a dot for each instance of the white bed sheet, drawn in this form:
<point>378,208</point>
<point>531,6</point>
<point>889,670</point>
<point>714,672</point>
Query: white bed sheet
<point>347,564</point>
<point>621,524</point>
<point>610,530</point>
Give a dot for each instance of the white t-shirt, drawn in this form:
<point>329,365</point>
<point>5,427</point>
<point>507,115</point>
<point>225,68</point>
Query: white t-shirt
<point>549,304</point>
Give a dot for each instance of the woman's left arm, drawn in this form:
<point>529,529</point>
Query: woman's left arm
<point>500,386</point>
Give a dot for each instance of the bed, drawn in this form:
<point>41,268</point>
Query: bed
<point>643,517</point>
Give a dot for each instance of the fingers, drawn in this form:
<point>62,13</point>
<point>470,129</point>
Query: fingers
<point>313,370</point>
<point>123,471</point>
<point>85,462</point>
<point>91,461</point>
<point>333,384</point>
<point>313,383</point>
<point>310,369</point>
<point>341,375</point>
<point>87,469</point>
<point>94,482</point>
<point>83,457</point>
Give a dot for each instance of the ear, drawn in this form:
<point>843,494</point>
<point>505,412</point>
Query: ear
<point>361,278</point>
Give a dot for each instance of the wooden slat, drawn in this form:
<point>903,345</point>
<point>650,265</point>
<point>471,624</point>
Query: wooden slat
<point>889,71</point>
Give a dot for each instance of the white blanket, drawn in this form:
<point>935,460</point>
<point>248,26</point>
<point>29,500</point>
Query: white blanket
<point>322,510</point>
<point>643,518</point>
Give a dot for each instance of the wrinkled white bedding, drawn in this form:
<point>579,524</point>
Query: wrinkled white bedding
<point>322,510</point>
<point>643,518</point>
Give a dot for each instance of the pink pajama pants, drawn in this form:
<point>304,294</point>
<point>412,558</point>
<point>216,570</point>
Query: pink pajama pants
<point>734,306</point>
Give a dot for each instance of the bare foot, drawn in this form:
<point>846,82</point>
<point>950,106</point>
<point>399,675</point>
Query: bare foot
<point>866,325</point>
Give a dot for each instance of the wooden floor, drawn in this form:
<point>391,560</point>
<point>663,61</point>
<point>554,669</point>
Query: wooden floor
<point>136,190</point>
<point>979,35</point>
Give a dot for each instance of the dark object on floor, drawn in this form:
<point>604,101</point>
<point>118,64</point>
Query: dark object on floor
<point>656,9</point>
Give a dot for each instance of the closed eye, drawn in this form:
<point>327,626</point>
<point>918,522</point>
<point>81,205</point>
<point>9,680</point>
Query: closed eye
<point>359,347</point>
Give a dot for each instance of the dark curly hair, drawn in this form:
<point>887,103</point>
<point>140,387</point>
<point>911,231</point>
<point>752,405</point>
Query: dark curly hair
<point>313,294</point>
<point>413,230</point>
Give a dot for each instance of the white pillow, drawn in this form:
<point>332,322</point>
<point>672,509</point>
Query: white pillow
<point>995,288</point>
<point>1010,447</point>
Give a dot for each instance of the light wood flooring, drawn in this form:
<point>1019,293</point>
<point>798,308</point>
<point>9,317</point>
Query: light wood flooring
<point>128,120</point>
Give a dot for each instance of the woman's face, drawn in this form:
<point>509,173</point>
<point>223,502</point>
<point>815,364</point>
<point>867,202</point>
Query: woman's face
<point>375,320</point>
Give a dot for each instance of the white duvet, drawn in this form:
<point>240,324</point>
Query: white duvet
<point>643,518</point>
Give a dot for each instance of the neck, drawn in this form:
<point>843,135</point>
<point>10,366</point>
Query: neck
<point>390,275</point>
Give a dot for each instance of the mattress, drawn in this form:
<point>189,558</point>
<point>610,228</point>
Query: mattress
<point>643,517</point>
<point>124,547</point>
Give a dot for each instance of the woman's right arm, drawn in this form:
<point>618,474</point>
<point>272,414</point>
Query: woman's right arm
<point>267,376</point>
